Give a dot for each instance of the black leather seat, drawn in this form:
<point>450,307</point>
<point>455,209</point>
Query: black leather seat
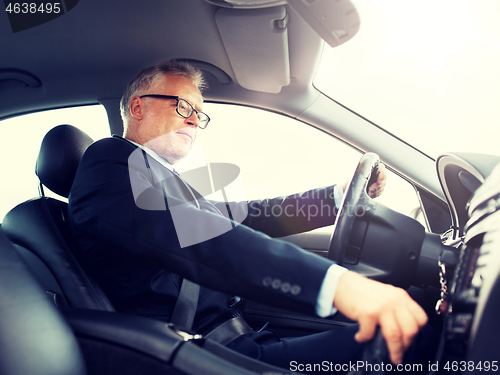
<point>34,337</point>
<point>31,328</point>
<point>37,228</point>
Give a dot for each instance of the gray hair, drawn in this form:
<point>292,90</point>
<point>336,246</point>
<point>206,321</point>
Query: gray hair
<point>147,77</point>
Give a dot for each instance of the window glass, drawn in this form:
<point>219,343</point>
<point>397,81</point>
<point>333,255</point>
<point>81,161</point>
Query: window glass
<point>426,71</point>
<point>278,155</point>
<point>22,137</point>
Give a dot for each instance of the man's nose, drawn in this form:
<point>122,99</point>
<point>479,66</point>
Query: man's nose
<point>193,120</point>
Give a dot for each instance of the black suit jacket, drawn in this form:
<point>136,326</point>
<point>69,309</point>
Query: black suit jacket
<point>121,216</point>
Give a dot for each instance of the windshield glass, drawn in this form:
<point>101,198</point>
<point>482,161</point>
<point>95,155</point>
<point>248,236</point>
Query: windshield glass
<point>426,71</point>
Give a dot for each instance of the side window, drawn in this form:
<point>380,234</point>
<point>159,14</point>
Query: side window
<point>22,137</point>
<point>278,155</point>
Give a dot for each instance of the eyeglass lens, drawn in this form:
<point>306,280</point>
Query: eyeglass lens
<point>185,109</point>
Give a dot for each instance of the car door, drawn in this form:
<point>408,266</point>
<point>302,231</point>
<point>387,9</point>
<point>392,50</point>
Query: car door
<point>278,156</point>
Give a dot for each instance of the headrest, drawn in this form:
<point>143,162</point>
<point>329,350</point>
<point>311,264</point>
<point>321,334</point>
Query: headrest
<point>59,156</point>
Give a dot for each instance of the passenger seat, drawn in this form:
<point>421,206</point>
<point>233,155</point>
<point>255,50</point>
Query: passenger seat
<point>39,231</point>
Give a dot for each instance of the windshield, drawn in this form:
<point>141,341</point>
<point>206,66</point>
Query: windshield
<point>426,71</point>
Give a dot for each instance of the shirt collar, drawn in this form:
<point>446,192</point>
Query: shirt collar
<point>154,155</point>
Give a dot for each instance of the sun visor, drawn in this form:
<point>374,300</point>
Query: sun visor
<point>335,21</point>
<point>256,41</point>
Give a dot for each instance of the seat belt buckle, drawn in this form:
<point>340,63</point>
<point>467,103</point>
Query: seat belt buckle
<point>185,334</point>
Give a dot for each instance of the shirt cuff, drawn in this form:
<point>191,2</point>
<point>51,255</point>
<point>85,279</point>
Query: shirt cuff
<point>326,295</point>
<point>338,194</point>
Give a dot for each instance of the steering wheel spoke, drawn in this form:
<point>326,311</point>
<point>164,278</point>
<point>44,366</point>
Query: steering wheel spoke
<point>355,203</point>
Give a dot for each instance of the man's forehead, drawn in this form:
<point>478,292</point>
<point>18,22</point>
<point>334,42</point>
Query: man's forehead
<point>180,85</point>
<point>174,80</point>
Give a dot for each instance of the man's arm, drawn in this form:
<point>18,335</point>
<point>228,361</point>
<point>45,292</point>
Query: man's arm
<point>104,209</point>
<point>296,213</point>
<point>305,211</point>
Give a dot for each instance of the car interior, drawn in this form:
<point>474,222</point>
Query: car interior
<point>262,54</point>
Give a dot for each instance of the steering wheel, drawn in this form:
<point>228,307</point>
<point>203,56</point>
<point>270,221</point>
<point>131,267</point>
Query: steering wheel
<point>355,203</point>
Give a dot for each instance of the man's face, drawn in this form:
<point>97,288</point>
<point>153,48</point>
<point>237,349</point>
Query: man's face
<point>165,131</point>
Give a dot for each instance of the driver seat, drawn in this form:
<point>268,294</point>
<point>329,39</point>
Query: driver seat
<point>38,229</point>
<point>109,342</point>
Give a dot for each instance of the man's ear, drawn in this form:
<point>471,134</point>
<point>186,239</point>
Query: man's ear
<point>137,108</point>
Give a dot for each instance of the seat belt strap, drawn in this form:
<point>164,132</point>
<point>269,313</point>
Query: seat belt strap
<point>185,311</point>
<point>186,305</point>
<point>187,301</point>
<point>229,331</point>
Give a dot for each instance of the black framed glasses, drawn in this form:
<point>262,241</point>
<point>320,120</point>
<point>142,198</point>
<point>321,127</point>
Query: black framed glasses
<point>184,108</point>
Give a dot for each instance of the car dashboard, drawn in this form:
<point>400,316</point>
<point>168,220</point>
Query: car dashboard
<point>470,292</point>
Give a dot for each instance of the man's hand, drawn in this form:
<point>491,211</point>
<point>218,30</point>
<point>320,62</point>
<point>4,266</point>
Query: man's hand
<point>373,304</point>
<point>377,188</point>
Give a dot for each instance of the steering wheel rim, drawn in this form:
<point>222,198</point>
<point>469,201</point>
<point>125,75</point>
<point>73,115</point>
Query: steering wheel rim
<point>355,203</point>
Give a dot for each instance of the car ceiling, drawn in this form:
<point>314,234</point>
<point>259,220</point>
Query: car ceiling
<point>89,54</point>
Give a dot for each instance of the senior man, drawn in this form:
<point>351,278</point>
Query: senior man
<point>123,213</point>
